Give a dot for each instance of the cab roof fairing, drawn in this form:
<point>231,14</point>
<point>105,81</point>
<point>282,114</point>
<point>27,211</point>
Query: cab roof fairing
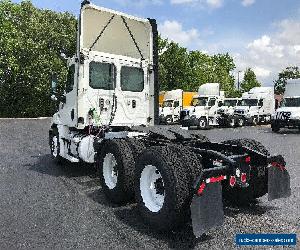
<point>115,33</point>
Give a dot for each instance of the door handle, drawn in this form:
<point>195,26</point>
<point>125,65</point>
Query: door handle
<point>134,104</point>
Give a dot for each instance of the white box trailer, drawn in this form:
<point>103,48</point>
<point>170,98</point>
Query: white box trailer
<point>108,117</point>
<point>288,115</point>
<point>256,106</point>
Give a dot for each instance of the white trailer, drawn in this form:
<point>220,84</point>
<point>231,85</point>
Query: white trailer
<point>205,105</point>
<point>256,106</point>
<point>108,117</point>
<point>288,115</point>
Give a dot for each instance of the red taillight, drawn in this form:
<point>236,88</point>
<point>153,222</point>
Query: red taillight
<point>248,159</point>
<point>232,181</point>
<point>201,188</point>
<point>243,177</point>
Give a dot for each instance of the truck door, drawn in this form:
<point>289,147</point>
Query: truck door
<point>132,95</point>
<point>212,104</point>
<point>68,110</point>
<point>99,97</point>
<point>262,106</point>
<point>176,110</point>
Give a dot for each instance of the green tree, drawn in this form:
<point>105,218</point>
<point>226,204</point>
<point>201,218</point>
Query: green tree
<point>288,73</point>
<point>174,70</point>
<point>31,41</point>
<point>249,80</point>
<point>179,68</point>
<point>224,65</point>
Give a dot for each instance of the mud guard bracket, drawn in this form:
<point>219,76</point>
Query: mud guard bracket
<point>207,210</point>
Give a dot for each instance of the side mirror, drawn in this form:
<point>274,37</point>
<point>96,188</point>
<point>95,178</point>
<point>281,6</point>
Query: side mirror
<point>220,104</point>
<point>54,83</point>
<point>55,97</point>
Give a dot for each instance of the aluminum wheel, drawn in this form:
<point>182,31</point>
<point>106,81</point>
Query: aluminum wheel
<point>54,147</point>
<point>152,188</point>
<point>203,123</point>
<point>110,172</point>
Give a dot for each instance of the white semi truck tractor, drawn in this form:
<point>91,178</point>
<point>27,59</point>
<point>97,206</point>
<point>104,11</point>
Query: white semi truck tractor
<point>288,115</point>
<point>225,112</point>
<point>171,107</point>
<point>206,103</point>
<point>108,117</point>
<point>256,106</point>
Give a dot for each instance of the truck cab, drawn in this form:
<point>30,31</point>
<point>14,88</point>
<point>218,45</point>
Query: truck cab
<point>171,106</point>
<point>256,106</point>
<point>112,80</point>
<point>226,112</point>
<point>205,105</point>
<point>288,115</point>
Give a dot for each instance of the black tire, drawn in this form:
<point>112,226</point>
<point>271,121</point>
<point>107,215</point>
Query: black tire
<point>123,191</point>
<point>257,185</point>
<point>249,143</point>
<point>169,120</point>
<point>240,122</point>
<point>275,127</point>
<point>56,157</point>
<point>231,122</point>
<point>136,145</point>
<point>177,183</point>
<point>203,123</point>
<point>254,121</point>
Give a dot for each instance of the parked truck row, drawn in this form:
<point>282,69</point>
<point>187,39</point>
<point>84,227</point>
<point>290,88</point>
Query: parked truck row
<point>209,107</point>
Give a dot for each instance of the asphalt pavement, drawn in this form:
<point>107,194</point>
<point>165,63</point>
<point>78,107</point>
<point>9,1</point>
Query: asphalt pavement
<point>44,205</point>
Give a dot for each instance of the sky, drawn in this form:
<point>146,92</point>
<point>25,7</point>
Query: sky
<point>261,34</point>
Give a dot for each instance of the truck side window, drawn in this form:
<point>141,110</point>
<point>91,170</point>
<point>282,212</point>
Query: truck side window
<point>132,79</point>
<point>211,102</point>
<point>260,103</point>
<point>102,75</point>
<point>176,104</point>
<point>70,79</point>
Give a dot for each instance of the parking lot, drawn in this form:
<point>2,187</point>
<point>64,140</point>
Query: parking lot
<point>46,205</point>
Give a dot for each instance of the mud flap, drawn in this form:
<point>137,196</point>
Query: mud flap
<point>207,210</point>
<point>278,183</point>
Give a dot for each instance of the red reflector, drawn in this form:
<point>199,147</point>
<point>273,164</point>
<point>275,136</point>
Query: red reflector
<point>232,181</point>
<point>276,164</point>
<point>216,179</point>
<point>201,188</point>
<point>243,177</point>
<point>248,159</point>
